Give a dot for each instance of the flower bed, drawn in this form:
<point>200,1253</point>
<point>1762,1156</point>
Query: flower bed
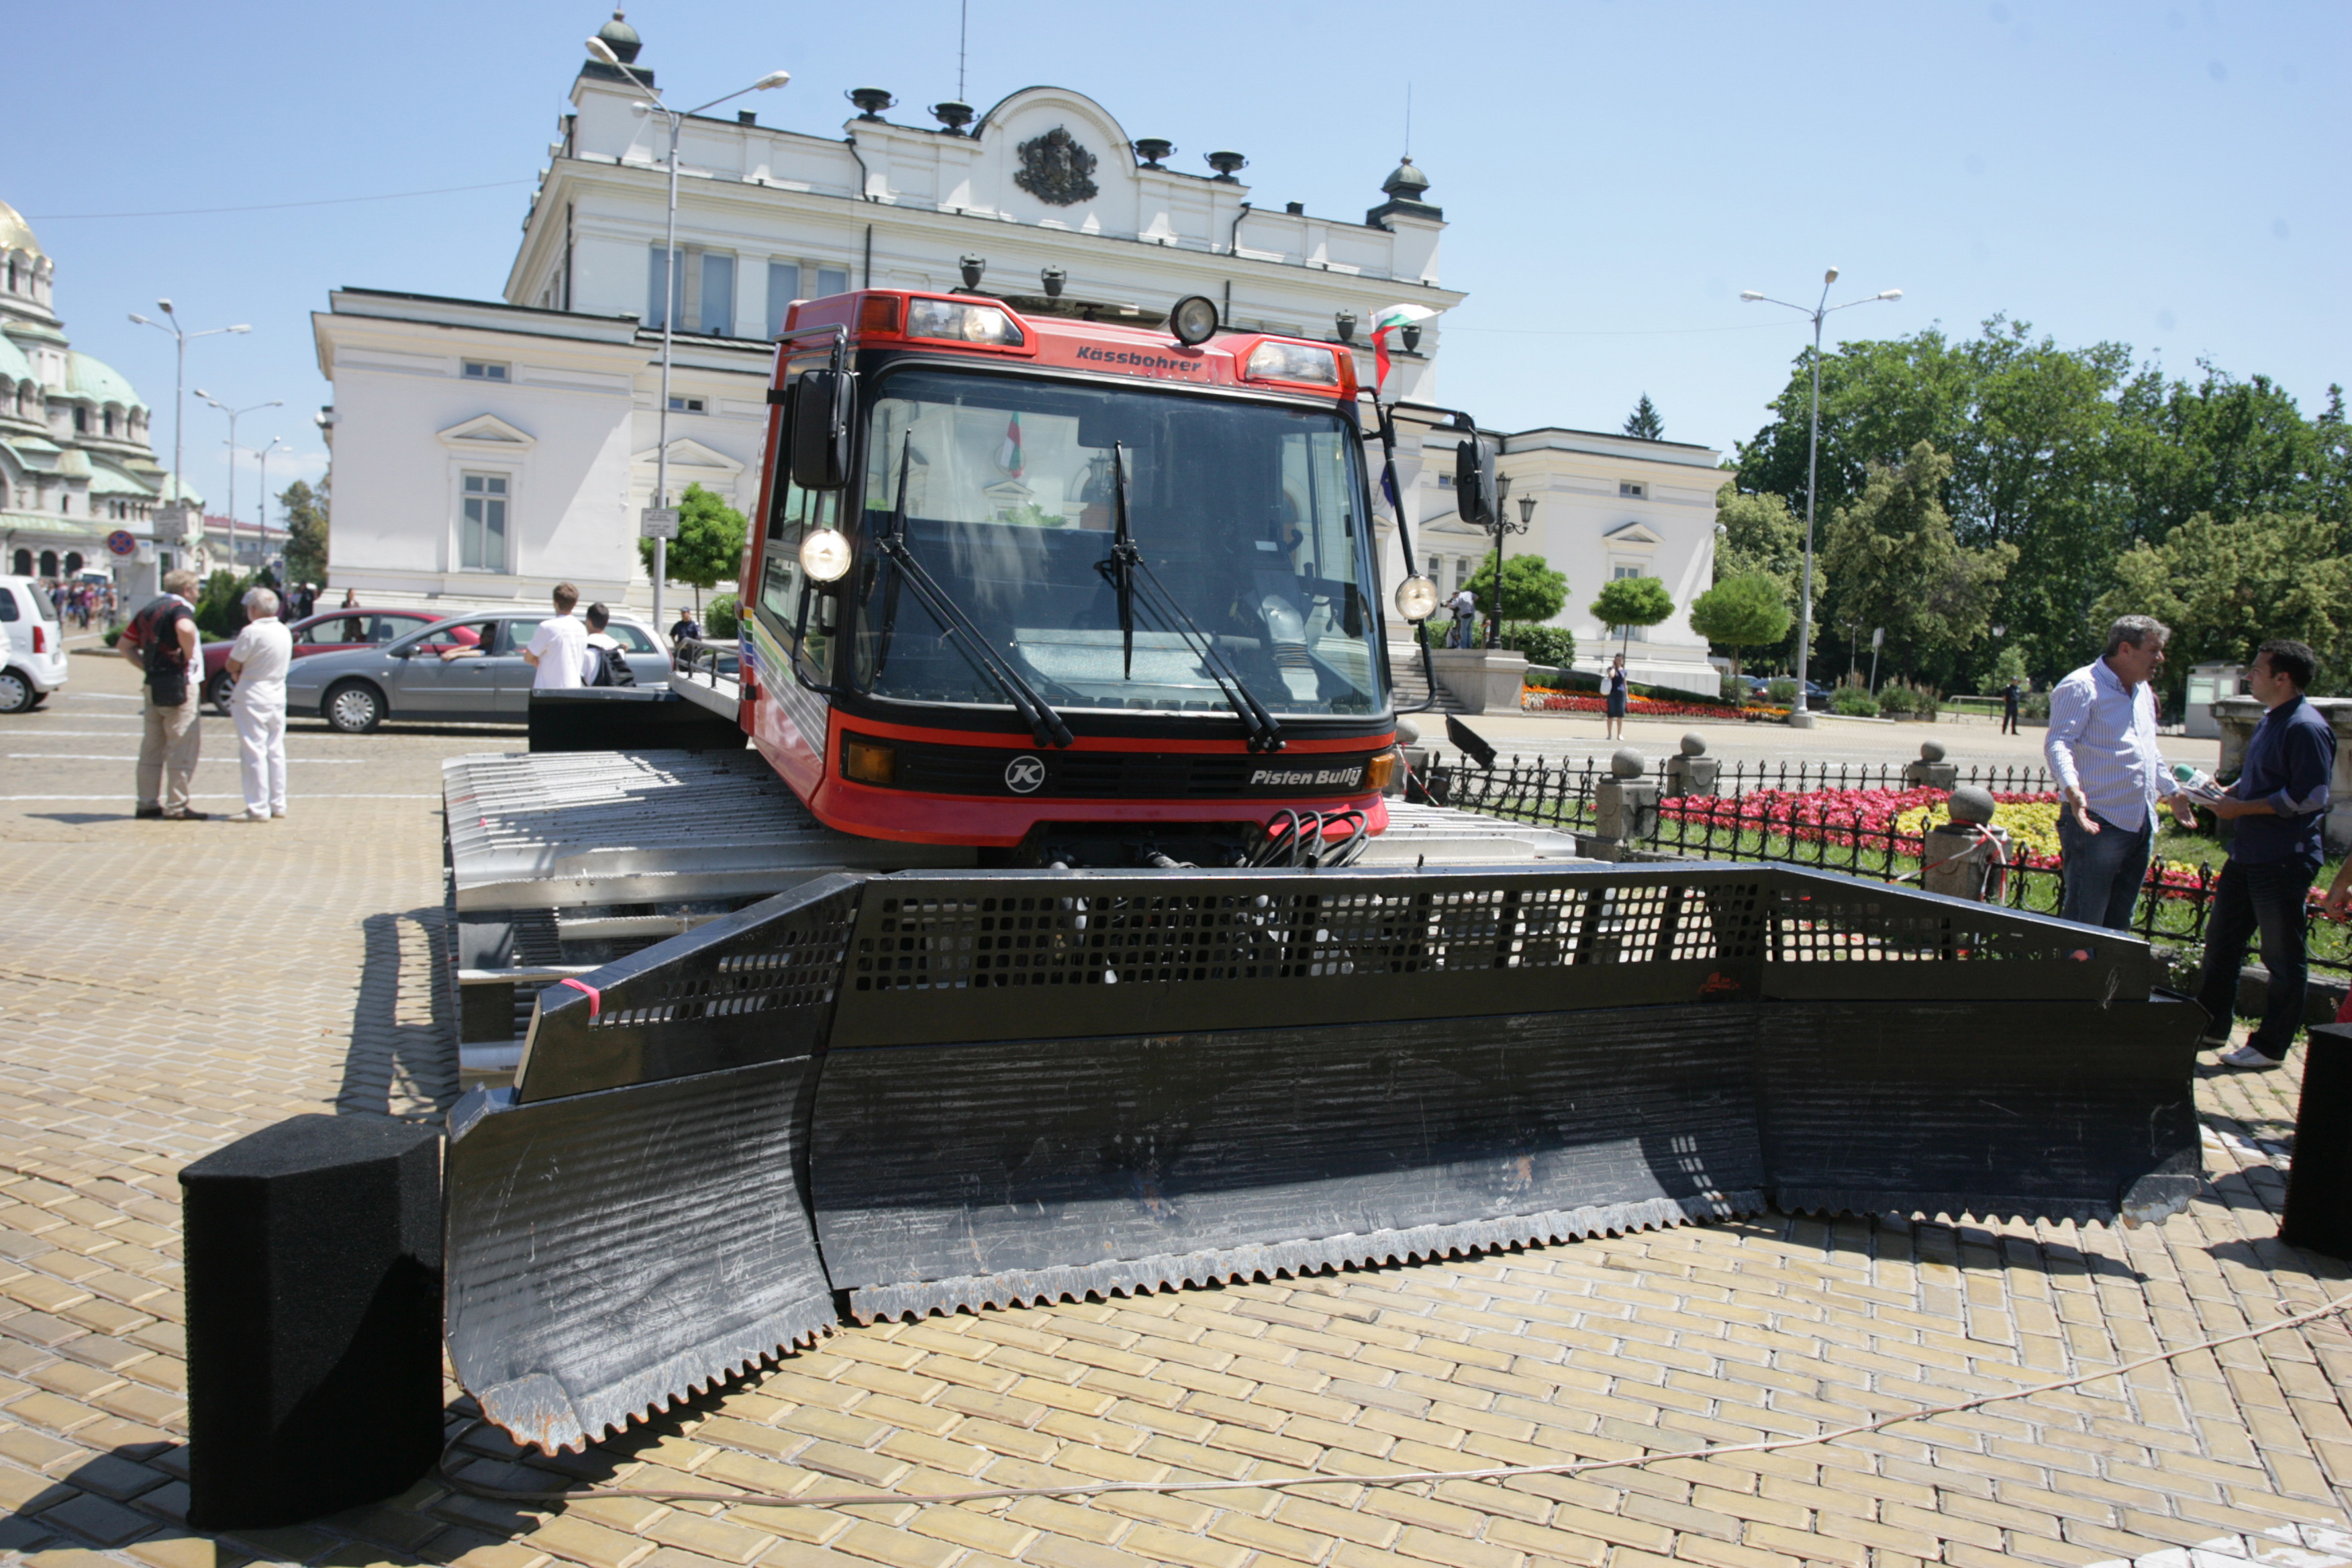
<point>1892,819</point>
<point>1548,700</point>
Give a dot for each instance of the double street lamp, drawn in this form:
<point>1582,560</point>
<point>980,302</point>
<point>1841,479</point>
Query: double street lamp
<point>233,413</point>
<point>1504,527</point>
<point>261,506</point>
<point>1820,308</point>
<point>601,51</point>
<point>179,384</point>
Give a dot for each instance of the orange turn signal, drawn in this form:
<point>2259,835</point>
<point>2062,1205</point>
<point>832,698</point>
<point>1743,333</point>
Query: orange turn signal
<point>868,763</point>
<point>1380,771</point>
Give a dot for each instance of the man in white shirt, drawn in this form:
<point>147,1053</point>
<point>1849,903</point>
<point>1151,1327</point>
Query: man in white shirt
<point>558,651</point>
<point>1465,617</point>
<point>257,662</point>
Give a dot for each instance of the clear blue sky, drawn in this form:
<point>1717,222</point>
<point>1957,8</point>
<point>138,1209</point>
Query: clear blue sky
<point>2170,177</point>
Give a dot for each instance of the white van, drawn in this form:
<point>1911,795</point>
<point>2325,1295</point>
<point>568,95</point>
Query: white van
<point>31,646</point>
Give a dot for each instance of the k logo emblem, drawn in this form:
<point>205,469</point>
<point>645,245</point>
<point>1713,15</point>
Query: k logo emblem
<point>1024,774</point>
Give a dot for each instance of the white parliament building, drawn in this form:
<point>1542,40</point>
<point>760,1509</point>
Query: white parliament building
<point>484,449</point>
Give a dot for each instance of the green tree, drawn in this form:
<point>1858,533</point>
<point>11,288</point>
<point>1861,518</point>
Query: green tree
<point>1761,537</point>
<point>2224,588</point>
<point>1644,423</point>
<point>1749,611</point>
<point>709,548</point>
<point>1896,563</point>
<point>1629,602</point>
<point>305,511</point>
<point>1532,590</point>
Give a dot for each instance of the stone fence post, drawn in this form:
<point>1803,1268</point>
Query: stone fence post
<point>1624,806</point>
<point>1691,771</point>
<point>1931,769</point>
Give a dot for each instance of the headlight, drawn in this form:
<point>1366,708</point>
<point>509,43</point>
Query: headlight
<point>1193,319</point>
<point>960,323</point>
<point>1416,599</point>
<point>1292,362</point>
<point>824,556</point>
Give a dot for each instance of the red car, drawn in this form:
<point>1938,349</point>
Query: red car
<point>326,632</point>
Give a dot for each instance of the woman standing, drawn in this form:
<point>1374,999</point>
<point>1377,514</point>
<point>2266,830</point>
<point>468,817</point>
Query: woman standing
<point>1613,687</point>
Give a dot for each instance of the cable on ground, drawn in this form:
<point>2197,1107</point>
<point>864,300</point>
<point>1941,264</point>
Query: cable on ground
<point>1403,1477</point>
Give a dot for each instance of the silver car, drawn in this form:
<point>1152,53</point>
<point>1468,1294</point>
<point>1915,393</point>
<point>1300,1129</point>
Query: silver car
<point>469,668</point>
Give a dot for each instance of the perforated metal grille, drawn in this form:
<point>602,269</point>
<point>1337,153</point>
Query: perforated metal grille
<point>789,963</point>
<point>1810,927</point>
<point>1134,937</point>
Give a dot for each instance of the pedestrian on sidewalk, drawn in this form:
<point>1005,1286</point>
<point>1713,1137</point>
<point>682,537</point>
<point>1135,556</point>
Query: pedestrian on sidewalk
<point>558,652</point>
<point>1613,688</point>
<point>2011,695</point>
<point>161,642</point>
<point>258,661</point>
<point>2102,752</point>
<point>1464,606</point>
<point>608,662</point>
<point>2280,805</point>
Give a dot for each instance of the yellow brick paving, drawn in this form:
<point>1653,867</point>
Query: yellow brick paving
<point>165,987</point>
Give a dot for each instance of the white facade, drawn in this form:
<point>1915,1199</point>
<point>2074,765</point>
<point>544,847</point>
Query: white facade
<point>1606,506</point>
<point>75,464</point>
<point>556,422</point>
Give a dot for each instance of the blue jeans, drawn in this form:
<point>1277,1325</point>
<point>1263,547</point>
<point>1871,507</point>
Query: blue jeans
<point>2268,899</point>
<point>2104,869</point>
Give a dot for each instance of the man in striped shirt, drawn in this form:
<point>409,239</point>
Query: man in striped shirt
<point>2103,754</point>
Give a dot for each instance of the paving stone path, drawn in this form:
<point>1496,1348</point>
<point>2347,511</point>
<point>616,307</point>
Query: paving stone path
<point>165,987</point>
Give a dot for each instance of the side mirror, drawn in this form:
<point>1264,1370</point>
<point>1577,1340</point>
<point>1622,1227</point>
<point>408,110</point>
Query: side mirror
<point>1474,483</point>
<point>817,422</point>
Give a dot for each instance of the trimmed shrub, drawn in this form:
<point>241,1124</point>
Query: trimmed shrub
<point>1854,702</point>
<point>1542,644</point>
<point>1898,701</point>
<point>1783,691</point>
<point>720,617</point>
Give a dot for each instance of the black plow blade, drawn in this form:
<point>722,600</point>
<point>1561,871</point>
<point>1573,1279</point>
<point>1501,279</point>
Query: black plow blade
<point>935,1091</point>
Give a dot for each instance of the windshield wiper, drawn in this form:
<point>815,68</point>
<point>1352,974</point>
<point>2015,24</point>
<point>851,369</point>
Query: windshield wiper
<point>1044,724</point>
<point>1126,567</point>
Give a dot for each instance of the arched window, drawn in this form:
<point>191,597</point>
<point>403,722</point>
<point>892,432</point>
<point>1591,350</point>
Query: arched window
<point>49,562</point>
<point>73,561</point>
<point>21,565</point>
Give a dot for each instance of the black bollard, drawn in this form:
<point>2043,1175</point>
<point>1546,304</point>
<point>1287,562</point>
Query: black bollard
<point>2319,1184</point>
<point>314,1319</point>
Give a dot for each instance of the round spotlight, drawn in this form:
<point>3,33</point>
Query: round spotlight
<point>824,555</point>
<point>1195,320</point>
<point>1416,598</point>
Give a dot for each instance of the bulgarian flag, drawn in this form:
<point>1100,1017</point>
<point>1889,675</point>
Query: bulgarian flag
<point>1008,456</point>
<point>1385,321</point>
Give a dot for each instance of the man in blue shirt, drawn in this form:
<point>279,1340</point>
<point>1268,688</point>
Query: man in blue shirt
<point>2102,752</point>
<point>2280,805</point>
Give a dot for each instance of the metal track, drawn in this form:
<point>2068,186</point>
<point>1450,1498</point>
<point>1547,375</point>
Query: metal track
<point>555,830</point>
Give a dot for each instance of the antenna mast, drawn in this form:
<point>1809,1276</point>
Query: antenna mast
<point>964,35</point>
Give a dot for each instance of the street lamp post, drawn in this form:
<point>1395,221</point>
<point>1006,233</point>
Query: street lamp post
<point>1822,307</point>
<point>1504,527</point>
<point>601,50</point>
<point>233,414</point>
<point>179,385</point>
<point>261,505</point>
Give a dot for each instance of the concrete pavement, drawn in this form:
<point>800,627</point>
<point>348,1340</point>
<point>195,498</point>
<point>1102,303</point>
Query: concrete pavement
<point>165,987</point>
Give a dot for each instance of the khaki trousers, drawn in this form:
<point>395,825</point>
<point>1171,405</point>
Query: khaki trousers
<point>169,745</point>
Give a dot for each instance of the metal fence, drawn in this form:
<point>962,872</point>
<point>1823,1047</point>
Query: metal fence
<point>1792,814</point>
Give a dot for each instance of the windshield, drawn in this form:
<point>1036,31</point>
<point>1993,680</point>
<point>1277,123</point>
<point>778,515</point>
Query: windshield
<point>1251,516</point>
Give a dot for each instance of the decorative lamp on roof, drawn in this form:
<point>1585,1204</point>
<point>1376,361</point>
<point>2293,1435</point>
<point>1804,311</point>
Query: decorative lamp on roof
<point>1407,184</point>
<point>621,38</point>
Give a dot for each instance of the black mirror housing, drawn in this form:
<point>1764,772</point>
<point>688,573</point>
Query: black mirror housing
<point>816,421</point>
<point>1474,483</point>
